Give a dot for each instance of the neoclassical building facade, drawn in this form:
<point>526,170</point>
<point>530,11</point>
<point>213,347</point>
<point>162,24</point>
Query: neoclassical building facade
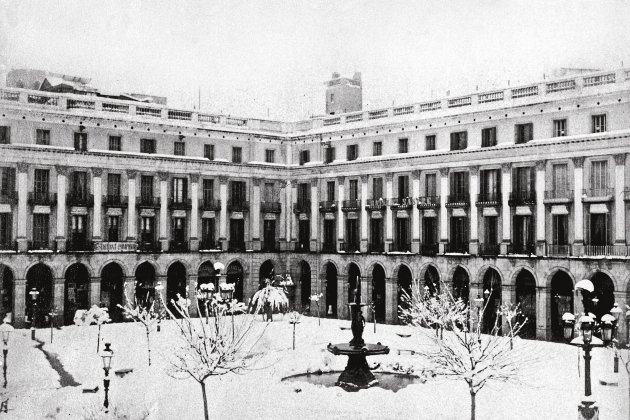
<point>513,195</point>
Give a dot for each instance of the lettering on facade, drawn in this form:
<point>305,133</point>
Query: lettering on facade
<point>353,215</point>
<point>147,213</point>
<point>208,215</point>
<point>377,214</point>
<point>114,211</point>
<point>237,215</point>
<point>179,213</point>
<point>115,246</point>
<point>41,209</point>
<point>5,208</point>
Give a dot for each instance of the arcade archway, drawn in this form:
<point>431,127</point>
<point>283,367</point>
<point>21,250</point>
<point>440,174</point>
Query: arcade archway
<point>6,300</point>
<point>378,292</point>
<point>145,284</point>
<point>331,290</point>
<point>492,301</point>
<point>432,280</point>
<point>305,284</point>
<point>76,292</point>
<point>561,302</point>
<point>526,299</point>
<point>234,275</point>
<point>40,278</point>
<point>354,282</point>
<point>461,285</point>
<point>404,289</point>
<point>175,284</point>
<point>112,290</point>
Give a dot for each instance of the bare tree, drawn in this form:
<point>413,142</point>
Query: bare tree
<point>457,349</point>
<point>216,349</point>
<point>145,315</point>
<point>272,297</point>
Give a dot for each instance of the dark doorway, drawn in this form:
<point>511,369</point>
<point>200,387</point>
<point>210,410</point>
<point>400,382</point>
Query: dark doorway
<point>354,282</point>
<point>6,300</point>
<point>602,299</point>
<point>175,285</point>
<point>305,284</point>
<point>461,285</point>
<point>404,293</point>
<point>378,292</point>
<point>40,278</point>
<point>432,281</point>
<point>526,298</point>
<point>76,292</point>
<point>145,284</point>
<point>561,302</point>
<point>112,290</point>
<point>492,302</point>
<point>331,290</point>
<point>266,272</point>
<point>234,275</point>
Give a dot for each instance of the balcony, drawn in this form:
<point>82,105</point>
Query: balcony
<point>302,246</point>
<point>594,195</point>
<point>270,207</point>
<point>328,206</point>
<point>492,199</point>
<point>39,246</point>
<point>626,194</point>
<point>458,200</point>
<point>329,247</point>
<point>178,246</point>
<point>42,199</point>
<point>238,205</point>
<point>428,202</point>
<point>209,204</point>
<point>606,250</point>
<point>489,249</point>
<point>458,247</point>
<point>179,204</point>
<point>558,196</point>
<point>526,248</point>
<point>559,250</point>
<point>79,200</point>
<point>351,205</point>
<point>429,250</point>
<point>209,244</point>
<point>522,198</point>
<point>148,202</point>
<point>8,197</point>
<point>378,247</point>
<point>118,201</point>
<point>302,206</point>
<point>400,247</point>
<point>236,246</point>
<point>270,246</point>
<point>350,247</point>
<point>8,246</point>
<point>148,245</point>
<point>376,204</point>
<point>80,245</point>
<point>402,203</point>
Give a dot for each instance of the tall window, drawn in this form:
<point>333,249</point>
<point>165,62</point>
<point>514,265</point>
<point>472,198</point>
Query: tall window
<point>353,189</point>
<point>80,142</point>
<point>40,186</point>
<point>459,140</point>
<point>178,229</point>
<point>429,142</point>
<point>560,180</point>
<point>7,182</point>
<point>147,145</point>
<point>490,184</point>
<point>403,145</point>
<point>5,134</point>
<point>179,149</point>
<point>330,190</point>
<point>5,230</point>
<point>79,184</point>
<point>115,143</point>
<point>377,188</point>
<point>352,151</point>
<point>490,231</point>
<point>489,137</point>
<point>146,188</point>
<point>524,133</point>
<point>40,230</point>
<point>305,157</point>
<point>180,191</point>
<point>559,128</point>
<point>560,229</point>
<point>599,123</point>
<point>430,186</point>
<point>329,154</point>
<point>403,186</point>
<point>303,195</point>
<point>207,233</point>
<point>459,185</point>
<point>237,192</point>
<point>377,148</point>
<point>237,155</point>
<point>113,228</point>
<point>147,230</point>
<point>42,137</point>
<point>599,177</point>
<point>208,190</point>
<point>524,180</point>
<point>268,192</point>
<point>113,186</point>
<point>270,156</point>
<point>208,151</point>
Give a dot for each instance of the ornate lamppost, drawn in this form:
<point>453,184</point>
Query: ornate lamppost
<point>107,354</point>
<point>5,329</point>
<point>34,293</point>
<point>51,315</point>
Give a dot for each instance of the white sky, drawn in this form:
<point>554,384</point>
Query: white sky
<point>252,56</point>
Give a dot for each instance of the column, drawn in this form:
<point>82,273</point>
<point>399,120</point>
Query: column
<point>365,297</point>
<point>364,213</point>
<point>342,296</point>
<point>22,198</point>
<point>473,246</point>
<point>59,299</point>
<point>95,291</point>
<point>255,216</point>
<point>291,220</point>
<point>194,212</point>
<point>131,205</point>
<point>415,214</point>
<point>285,216</point>
<point>62,172</point>
<point>578,207</point>
<point>541,234</point>
<point>391,301</point>
<point>443,209</point>
<point>506,186</point>
<point>389,219</point>
<point>507,291</point>
<point>314,214</point>
<point>98,205</point>
<point>620,207</point>
<point>223,216</point>
<point>19,302</point>
<point>543,326</point>
<point>163,210</point>
<point>191,286</point>
<point>340,218</point>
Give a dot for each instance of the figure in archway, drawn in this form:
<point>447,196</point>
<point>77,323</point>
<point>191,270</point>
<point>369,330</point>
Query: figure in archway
<point>492,301</point>
<point>461,285</point>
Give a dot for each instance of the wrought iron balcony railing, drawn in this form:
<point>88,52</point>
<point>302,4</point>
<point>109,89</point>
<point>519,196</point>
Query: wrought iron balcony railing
<point>402,203</point>
<point>400,247</point>
<point>376,247</point>
<point>238,205</point>
<point>605,194</point>
<point>270,207</point>
<point>520,248</point>
<point>329,247</point>
<point>562,195</point>
<point>209,204</point>
<point>236,246</point>
<point>178,246</point>
<point>460,247</point>
<point>209,244</point>
<point>351,205</point>
<point>8,197</point>
<point>429,250</point>
<point>428,201</point>
<point>489,249</point>
<point>79,199</point>
<point>376,204</point>
<point>42,199</point>
<point>489,199</point>
<point>79,244</point>
<point>328,206</point>
<point>147,245</point>
<point>563,250</point>
<point>302,206</point>
<point>349,246</point>
<point>148,201</point>
<point>114,200</point>
<point>179,204</point>
<point>522,198</point>
<point>458,200</point>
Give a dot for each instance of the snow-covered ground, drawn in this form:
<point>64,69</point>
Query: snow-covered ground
<point>550,390</point>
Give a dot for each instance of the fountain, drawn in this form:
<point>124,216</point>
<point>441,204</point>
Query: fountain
<point>357,374</point>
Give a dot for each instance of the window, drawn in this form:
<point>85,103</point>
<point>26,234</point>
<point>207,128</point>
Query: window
<point>115,143</point>
<point>180,190</point>
<point>113,185</point>
<point>560,225</point>
<point>599,123</point>
<point>354,189</point>
<point>208,151</point>
<point>329,154</point>
<point>42,137</point>
<point>79,185</point>
<point>208,190</point>
<point>560,181</point>
<point>599,178</point>
<point>303,194</point>
<point>269,192</point>
<point>179,148</point>
<point>40,231</point>
<point>459,140</point>
<point>5,230</point>
<point>237,192</point>
<point>270,156</point>
<point>559,128</point>
<point>352,152</point>
<point>237,155</point>
<point>40,185</point>
<point>377,148</point>
<point>207,234</point>
<point>490,184</point>
<point>7,182</point>
<point>459,185</point>
<point>147,145</point>
<point>113,228</point>
<point>146,230</point>
<point>524,183</point>
<point>524,133</point>
<point>403,186</point>
<point>305,157</point>
<point>430,142</point>
<point>403,145</point>
<point>80,142</point>
<point>5,135</point>
<point>146,188</point>
<point>430,186</point>
<point>330,190</point>
<point>377,188</point>
<point>178,229</point>
<point>489,137</point>
<point>491,231</point>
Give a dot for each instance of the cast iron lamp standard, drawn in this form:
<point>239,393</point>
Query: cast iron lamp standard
<point>5,329</point>
<point>587,409</point>
<point>52,314</point>
<point>107,354</point>
<point>34,293</point>
<point>294,319</point>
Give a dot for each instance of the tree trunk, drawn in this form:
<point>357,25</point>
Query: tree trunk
<point>472,403</point>
<point>148,347</point>
<point>205,400</point>
<point>98,340</point>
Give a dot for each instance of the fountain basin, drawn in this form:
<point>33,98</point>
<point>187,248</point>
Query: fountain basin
<point>366,350</point>
<point>390,381</point>
<point>357,374</point>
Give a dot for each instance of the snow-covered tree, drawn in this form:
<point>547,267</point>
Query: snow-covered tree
<point>144,315</point>
<point>457,349</point>
<point>272,297</point>
<point>96,315</point>
<point>212,350</point>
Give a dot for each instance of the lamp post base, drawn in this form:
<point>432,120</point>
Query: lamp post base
<point>588,409</point>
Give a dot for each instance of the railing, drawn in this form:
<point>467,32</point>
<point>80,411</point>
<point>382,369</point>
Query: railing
<point>376,204</point>
<point>79,244</point>
<point>459,247</point>
<point>601,79</point>
<point>489,199</point>
<point>351,205</point>
<point>271,246</point>
<point>80,200</point>
<point>148,246</point>
<point>207,118</point>
<point>457,102</point>
<point>328,206</point>
<point>400,247</point>
<point>238,205</point>
<point>179,204</point>
<point>610,250</point>
<point>329,248</point>
<point>430,106</point>
<point>209,244</point>
<point>110,200</point>
<point>376,247</point>
<point>8,246</point>
<point>179,115</point>
<point>458,200</point>
<point>522,198</point>
<point>148,111</point>
<point>598,192</point>
<point>270,207</point>
<point>429,250</point>
<point>148,202</point>
<point>428,201</point>
<point>401,203</point>
<point>78,104</point>
<point>349,246</point>
<point>559,195</point>
<point>42,199</point>
<point>123,109</point>
<point>560,86</point>
<point>489,249</point>
<point>239,122</point>
<point>178,246</point>
<point>303,206</point>
<point>373,115</point>
<point>564,250</point>
<point>354,117</point>
<point>490,97</point>
<point>332,121</point>
<point>9,96</point>
<point>39,246</point>
<point>8,197</point>
<point>527,248</point>
<point>209,205</point>
<point>302,246</point>
<point>403,110</point>
<point>236,246</point>
<point>524,92</point>
<point>42,100</point>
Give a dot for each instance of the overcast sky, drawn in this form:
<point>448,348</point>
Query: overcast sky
<point>251,58</point>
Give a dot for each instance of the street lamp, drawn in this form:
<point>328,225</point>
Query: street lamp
<point>227,292</point>
<point>294,319</point>
<point>159,287</point>
<point>616,313</point>
<point>206,290</point>
<point>5,329</point>
<point>107,354</point>
<point>34,295</point>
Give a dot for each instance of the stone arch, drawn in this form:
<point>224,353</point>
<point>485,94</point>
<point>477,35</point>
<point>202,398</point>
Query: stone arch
<point>525,296</point>
<point>118,262</point>
<point>431,279</point>
<point>76,291</point>
<point>397,268</point>
<point>460,279</point>
<point>483,270</point>
<point>404,281</point>
<point>205,273</point>
<point>178,260</point>
<point>554,271</point>
<point>65,269</point>
<point>425,267</point>
<point>602,299</point>
<point>176,280</point>
<point>379,294</point>
<point>330,280</point>
<point>518,270</point>
<point>41,277</point>
<point>594,272</point>
<point>153,264</point>
<point>561,285</point>
<point>266,270</point>
<point>235,274</point>
<point>112,276</point>
<point>353,280</point>
<point>7,282</point>
<point>304,279</point>
<point>492,286</point>
<point>145,275</point>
